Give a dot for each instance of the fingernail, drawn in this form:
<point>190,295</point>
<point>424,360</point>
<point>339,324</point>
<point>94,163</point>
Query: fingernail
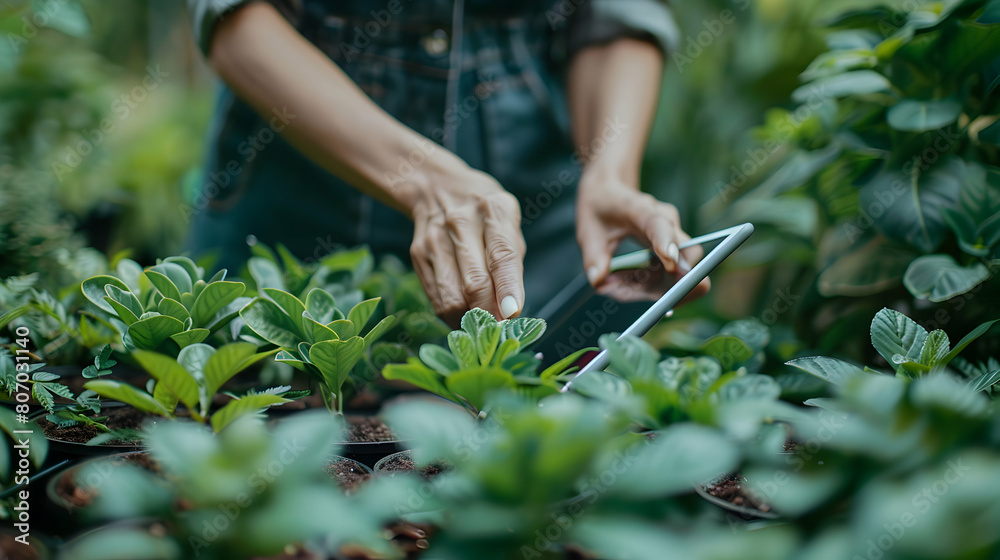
<point>673,252</point>
<point>685,266</point>
<point>508,306</point>
<point>593,274</point>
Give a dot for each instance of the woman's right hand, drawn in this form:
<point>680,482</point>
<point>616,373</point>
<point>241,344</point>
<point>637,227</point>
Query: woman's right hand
<point>467,245</point>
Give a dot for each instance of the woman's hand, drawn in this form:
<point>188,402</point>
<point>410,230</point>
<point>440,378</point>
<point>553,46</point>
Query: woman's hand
<point>467,246</point>
<point>608,210</point>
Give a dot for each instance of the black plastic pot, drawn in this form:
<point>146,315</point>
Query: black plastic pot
<point>60,449</point>
<point>745,513</point>
<point>62,516</point>
<point>370,453</point>
<point>379,467</point>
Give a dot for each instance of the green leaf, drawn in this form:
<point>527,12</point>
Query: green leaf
<point>438,359</point>
<point>563,365</point>
<point>122,312</point>
<point>149,333</point>
<point>921,116</point>
<point>379,330</point>
<point>290,304</point>
<point>173,308</point>
<point>194,271</point>
<point>939,278</point>
<point>317,332</point>
<point>189,337</point>
<point>163,284</point>
<point>287,357</point>
<point>486,340</point>
<point>935,348</point>
<point>913,202</point>
<point>361,312</point>
<point>968,339</point>
<point>228,361</point>
<point>271,323</point>
<point>343,328</point>
<point>463,347</point>
<point>507,347</point>
<point>894,333</point>
<point>119,543</point>
<point>857,82</point>
<point>127,394</point>
<point>321,305</point>
<point>167,371</point>
<point>249,404</point>
<point>163,395</point>
<point>176,274</point>
<point>985,381</point>
<point>729,350</point>
<point>680,457</point>
<point>991,13</point>
<point>474,384</point>
<point>126,299</point>
<point>525,329</point>
<point>336,358</point>
<point>265,273</point>
<point>213,299</point>
<point>94,290</point>
<point>421,376</point>
<point>833,370</point>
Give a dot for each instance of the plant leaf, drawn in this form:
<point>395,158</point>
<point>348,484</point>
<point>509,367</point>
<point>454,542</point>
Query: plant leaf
<point>935,348</point>
<point>463,347</point>
<point>831,369</point>
<point>894,333</point>
<point>525,329</point>
<point>167,371</point>
<point>94,290</point>
<point>335,359</point>
<point>213,299</point>
<point>249,404</point>
<point>361,312</point>
<point>968,339</point>
<point>438,359</point>
<point>150,332</point>
<point>321,305</point>
<point>173,308</point>
<point>921,116</point>
<point>268,321</point>
<point>189,337</point>
<point>163,284</point>
<point>291,305</point>
<point>379,330</point>
<point>127,394</point>
<point>416,373</point>
<point>475,384</point>
<point>176,274</point>
<point>939,278</point>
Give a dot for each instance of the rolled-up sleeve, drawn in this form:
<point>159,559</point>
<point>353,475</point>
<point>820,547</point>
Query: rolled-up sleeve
<point>598,22</point>
<point>205,14</point>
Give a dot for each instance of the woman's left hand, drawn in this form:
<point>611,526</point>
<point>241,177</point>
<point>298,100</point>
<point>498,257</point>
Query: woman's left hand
<point>609,210</point>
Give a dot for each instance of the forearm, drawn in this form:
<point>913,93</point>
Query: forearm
<point>271,66</point>
<point>613,92</point>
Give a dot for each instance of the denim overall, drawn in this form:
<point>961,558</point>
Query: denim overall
<point>476,76</point>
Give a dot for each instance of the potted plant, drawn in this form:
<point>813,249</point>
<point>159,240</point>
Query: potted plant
<point>482,356</point>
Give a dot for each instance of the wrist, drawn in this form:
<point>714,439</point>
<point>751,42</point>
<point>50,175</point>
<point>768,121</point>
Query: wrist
<point>609,174</point>
<point>422,174</point>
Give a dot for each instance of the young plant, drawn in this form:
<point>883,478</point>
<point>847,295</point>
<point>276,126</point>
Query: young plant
<point>911,351</point>
<point>659,393</point>
<point>483,356</point>
<point>315,336</point>
<point>272,487</point>
<point>193,379</point>
<point>167,307</point>
<point>44,387</point>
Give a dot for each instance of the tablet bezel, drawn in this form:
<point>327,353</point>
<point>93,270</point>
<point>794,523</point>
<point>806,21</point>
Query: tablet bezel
<point>732,238</point>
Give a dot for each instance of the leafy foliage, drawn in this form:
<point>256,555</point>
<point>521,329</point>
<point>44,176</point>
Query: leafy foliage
<point>166,307</point>
<point>483,356</point>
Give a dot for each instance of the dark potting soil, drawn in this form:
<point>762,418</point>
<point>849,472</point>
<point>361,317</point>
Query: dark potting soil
<point>365,429</point>
<point>402,463</point>
<point>117,418</point>
<point>79,496</point>
<point>730,488</point>
<point>348,474</point>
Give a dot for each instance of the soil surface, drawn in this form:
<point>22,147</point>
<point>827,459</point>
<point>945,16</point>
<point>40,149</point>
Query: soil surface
<point>117,418</point>
<point>365,429</point>
<point>403,463</point>
<point>79,496</point>
<point>348,474</point>
<point>730,488</point>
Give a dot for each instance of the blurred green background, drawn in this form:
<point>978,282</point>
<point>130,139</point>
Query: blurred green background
<point>726,92</point>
